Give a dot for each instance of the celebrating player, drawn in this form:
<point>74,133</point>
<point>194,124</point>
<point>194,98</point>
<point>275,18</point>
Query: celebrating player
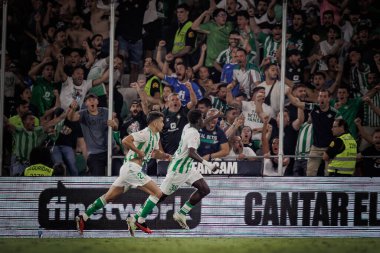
<point>179,172</point>
<point>142,146</point>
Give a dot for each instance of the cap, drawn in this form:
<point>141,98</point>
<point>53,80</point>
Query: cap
<point>90,95</point>
<point>277,24</point>
<point>136,101</point>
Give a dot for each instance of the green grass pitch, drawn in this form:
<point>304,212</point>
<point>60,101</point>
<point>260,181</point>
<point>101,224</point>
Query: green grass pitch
<point>193,245</point>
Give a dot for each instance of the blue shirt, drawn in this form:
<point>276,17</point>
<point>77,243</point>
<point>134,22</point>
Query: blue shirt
<point>183,92</point>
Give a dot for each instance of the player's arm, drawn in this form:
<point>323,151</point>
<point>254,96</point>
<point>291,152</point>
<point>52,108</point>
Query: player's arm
<point>193,154</point>
<point>128,144</point>
<point>160,155</point>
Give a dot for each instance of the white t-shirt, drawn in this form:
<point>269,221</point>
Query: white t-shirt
<point>181,161</point>
<point>252,119</point>
<point>246,151</point>
<point>275,95</point>
<point>70,92</point>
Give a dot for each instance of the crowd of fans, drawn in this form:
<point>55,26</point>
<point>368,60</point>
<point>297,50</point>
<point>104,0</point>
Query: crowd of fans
<point>222,57</point>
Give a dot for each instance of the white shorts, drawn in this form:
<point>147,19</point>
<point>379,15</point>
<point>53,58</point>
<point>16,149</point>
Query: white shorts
<point>131,176</point>
<point>174,180</point>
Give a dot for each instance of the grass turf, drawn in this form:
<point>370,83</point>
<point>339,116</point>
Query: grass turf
<point>193,245</point>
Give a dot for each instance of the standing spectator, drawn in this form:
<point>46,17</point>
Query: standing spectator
<point>76,34</point>
<point>246,75</point>
<point>300,38</point>
<point>247,36</point>
<point>185,37</point>
<point>217,32</point>
<point>22,107</point>
<point>42,95</point>
<point>348,108</point>
<point>358,73</point>
<point>272,86</point>
<point>54,49</point>
<point>252,110</point>
<point>304,142</point>
<point>74,87</point>
<point>322,116</point>
<point>179,83</point>
<point>175,118</point>
<point>341,153</point>
<point>100,24</point>
<point>214,143</point>
<point>94,122</point>
<point>225,56</point>
<point>129,33</point>
<point>136,121</point>
<point>264,14</point>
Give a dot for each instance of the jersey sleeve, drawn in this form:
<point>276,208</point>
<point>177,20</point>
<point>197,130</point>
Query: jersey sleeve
<point>193,138</point>
<point>141,136</point>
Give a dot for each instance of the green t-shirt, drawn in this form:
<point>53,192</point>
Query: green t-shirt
<point>43,95</point>
<point>217,40</point>
<point>349,112</point>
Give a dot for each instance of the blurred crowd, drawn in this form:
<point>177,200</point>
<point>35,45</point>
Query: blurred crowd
<point>222,57</point>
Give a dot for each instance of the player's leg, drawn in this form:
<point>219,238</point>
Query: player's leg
<point>195,179</point>
<point>112,193</point>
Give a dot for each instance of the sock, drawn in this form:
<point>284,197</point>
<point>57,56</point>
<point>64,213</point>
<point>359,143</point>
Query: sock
<point>138,214</point>
<point>150,203</point>
<point>98,203</point>
<point>185,209</point>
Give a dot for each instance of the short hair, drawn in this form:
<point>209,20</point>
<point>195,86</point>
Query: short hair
<point>183,6</point>
<point>325,90</point>
<point>59,169</point>
<point>169,86</point>
<point>26,115</point>
<point>300,13</point>
<point>96,35</point>
<point>328,12</point>
<point>241,50</point>
<point>194,115</point>
<point>41,155</point>
<point>234,32</point>
<point>342,122</point>
<point>205,101</point>
<point>153,115</point>
<point>256,89</point>
<point>217,11</point>
<point>243,13</point>
<point>21,102</point>
<point>377,130</point>
<point>319,73</point>
<point>298,85</point>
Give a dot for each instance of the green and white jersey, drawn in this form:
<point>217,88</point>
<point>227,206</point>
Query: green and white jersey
<point>181,161</point>
<point>146,141</point>
<point>304,141</point>
<point>219,104</point>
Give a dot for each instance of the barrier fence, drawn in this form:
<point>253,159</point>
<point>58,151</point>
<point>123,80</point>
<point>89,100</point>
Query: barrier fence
<point>236,206</point>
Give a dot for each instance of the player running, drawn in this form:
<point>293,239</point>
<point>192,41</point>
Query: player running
<point>179,172</point>
<point>142,146</point>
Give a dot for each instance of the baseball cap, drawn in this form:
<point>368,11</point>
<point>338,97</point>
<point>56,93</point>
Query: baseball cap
<point>90,95</point>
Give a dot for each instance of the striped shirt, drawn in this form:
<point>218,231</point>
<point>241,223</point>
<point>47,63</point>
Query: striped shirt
<point>224,57</point>
<point>269,45</point>
<point>219,104</point>
<point>358,80</point>
<point>146,141</point>
<point>24,141</point>
<point>304,141</point>
<point>181,162</point>
<point>370,117</point>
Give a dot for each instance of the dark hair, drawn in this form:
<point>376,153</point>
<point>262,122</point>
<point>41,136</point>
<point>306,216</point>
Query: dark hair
<point>342,122</point>
<point>26,115</point>
<point>300,13</point>
<point>194,115</point>
<point>234,32</point>
<point>298,85</point>
<point>256,89</point>
<point>59,169</point>
<point>205,101</point>
<point>217,11</point>
<point>241,50</point>
<point>170,87</point>
<point>328,12</point>
<point>183,6</point>
<point>319,73</point>
<point>96,35</point>
<point>153,115</point>
<point>21,102</point>
<point>243,13</point>
<point>40,155</point>
<point>325,90</point>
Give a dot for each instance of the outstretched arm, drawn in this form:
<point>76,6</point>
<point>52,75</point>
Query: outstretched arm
<point>193,154</point>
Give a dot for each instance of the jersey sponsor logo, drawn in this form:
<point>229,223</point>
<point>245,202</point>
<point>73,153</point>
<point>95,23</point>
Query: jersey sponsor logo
<point>59,206</point>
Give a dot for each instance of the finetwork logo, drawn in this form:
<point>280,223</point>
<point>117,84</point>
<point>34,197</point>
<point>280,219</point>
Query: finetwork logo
<point>59,206</point>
